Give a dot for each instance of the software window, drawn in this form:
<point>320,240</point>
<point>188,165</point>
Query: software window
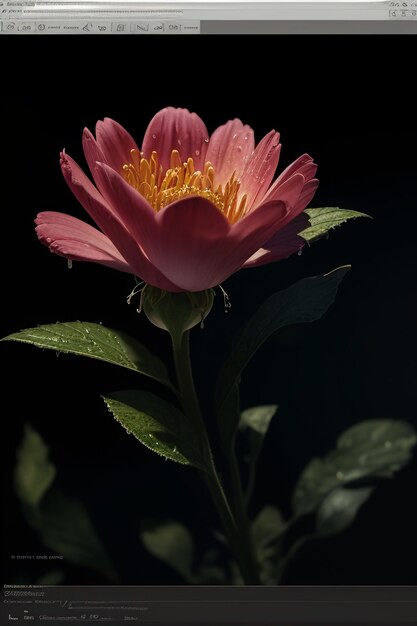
<point>228,191</point>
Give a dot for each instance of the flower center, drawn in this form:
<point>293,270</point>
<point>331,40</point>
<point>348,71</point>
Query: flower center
<point>182,180</point>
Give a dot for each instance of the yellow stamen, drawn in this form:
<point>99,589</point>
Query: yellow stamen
<point>182,180</point>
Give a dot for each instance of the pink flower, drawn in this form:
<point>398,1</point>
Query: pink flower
<point>184,212</point>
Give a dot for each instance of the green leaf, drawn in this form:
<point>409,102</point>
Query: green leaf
<point>324,219</point>
<point>172,543</point>
<point>254,424</point>
<point>66,528</point>
<point>339,508</point>
<point>63,524</point>
<point>267,529</point>
<point>34,473</point>
<point>374,448</point>
<point>52,578</point>
<point>160,426</point>
<point>210,570</point>
<point>97,342</point>
<point>305,301</point>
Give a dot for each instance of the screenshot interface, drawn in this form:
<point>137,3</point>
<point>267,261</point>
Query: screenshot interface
<point>208,313</point>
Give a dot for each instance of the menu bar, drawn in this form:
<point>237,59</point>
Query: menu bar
<point>68,27</point>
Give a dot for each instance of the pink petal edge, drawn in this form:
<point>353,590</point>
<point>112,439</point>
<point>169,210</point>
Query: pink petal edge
<point>176,129</point>
<point>229,150</point>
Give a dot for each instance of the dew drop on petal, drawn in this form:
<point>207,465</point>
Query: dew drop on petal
<point>234,136</point>
<point>246,137</point>
<point>154,136</point>
<point>179,142</point>
<point>206,140</point>
<point>48,240</point>
<point>239,148</point>
<point>69,263</point>
<point>197,152</point>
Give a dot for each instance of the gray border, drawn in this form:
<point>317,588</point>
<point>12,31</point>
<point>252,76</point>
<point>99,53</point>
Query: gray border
<point>295,27</point>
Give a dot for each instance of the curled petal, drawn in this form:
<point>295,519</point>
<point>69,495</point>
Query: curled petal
<point>176,129</point>
<point>306,195</point>
<point>284,243</point>
<point>303,165</point>
<point>92,152</point>
<point>129,206</point>
<point>97,207</point>
<point>76,240</point>
<point>115,143</point>
<point>260,169</point>
<point>229,149</point>
<point>110,221</point>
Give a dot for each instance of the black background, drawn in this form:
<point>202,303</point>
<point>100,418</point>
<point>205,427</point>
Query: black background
<point>357,363</point>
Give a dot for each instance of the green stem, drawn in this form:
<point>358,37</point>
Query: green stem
<point>237,537</point>
<point>239,505</point>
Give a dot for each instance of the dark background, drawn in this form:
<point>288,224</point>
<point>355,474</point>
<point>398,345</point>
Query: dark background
<point>358,363</point>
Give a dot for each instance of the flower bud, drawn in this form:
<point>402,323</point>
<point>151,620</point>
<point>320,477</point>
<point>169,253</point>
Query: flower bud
<point>176,312</point>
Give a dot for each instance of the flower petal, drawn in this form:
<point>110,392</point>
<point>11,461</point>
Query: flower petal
<point>306,195</point>
<point>176,129</point>
<point>92,152</point>
<point>289,191</point>
<point>98,209</point>
<point>260,169</point>
<point>214,249</point>
<point>110,220</point>
<point>74,239</point>
<point>229,149</point>
<point>303,165</point>
<point>190,243</point>
<point>284,243</point>
<point>115,143</point>
<point>128,205</point>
